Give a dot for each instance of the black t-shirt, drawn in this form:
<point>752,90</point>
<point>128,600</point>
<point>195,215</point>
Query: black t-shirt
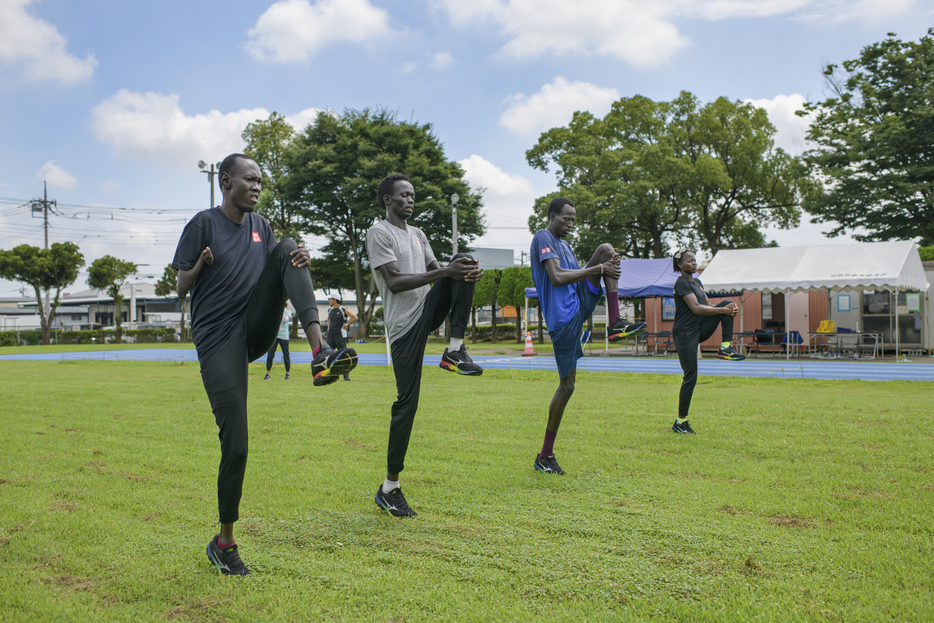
<point>336,321</point>
<point>220,292</point>
<point>685,319</point>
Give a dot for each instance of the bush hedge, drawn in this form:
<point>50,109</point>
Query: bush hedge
<point>98,336</point>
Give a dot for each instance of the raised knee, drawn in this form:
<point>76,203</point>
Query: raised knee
<point>460,255</point>
<point>286,245</point>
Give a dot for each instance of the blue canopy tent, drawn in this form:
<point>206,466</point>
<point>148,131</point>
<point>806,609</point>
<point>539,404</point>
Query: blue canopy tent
<point>639,279</point>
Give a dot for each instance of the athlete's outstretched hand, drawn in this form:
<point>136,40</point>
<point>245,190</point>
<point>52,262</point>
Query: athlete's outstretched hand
<point>207,256</point>
<point>301,257</point>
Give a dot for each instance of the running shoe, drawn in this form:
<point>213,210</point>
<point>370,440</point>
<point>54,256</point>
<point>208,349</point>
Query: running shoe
<point>330,364</point>
<point>729,354</point>
<point>548,465</point>
<point>459,361</point>
<point>226,560</point>
<point>682,428</point>
<point>394,502</point>
<point>266,378</point>
<point>623,329</point>
<point>287,377</point>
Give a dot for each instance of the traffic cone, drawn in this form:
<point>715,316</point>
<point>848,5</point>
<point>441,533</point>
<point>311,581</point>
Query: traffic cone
<point>529,351</point>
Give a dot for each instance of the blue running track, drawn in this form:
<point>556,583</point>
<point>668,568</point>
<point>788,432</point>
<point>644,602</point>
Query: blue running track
<point>809,369</point>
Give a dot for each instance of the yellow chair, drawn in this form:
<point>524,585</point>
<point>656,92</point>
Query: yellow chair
<point>827,326</point>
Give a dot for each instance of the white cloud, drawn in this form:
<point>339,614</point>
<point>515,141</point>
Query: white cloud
<point>301,120</point>
<point>408,68</point>
<point>441,61</point>
<point>507,199</point>
<point>554,105</point>
<point>109,186</point>
<point>153,127</point>
<point>55,176</point>
<point>791,129</point>
<point>38,46</point>
<point>642,34</point>
<point>294,30</point>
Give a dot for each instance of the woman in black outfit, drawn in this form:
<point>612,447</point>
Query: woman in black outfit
<point>695,322</point>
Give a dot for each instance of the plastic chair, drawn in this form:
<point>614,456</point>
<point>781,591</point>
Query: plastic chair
<point>663,338</point>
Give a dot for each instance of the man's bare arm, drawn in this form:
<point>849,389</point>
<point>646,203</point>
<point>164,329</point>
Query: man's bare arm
<point>563,276</point>
<point>708,310</point>
<point>461,269</point>
<point>187,277</point>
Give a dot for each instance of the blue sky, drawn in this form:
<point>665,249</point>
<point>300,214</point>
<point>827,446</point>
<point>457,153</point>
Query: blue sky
<point>113,103</point>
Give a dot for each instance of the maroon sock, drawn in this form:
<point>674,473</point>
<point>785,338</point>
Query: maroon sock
<point>314,353</point>
<point>548,447</point>
<point>221,545</point>
<point>612,307</point>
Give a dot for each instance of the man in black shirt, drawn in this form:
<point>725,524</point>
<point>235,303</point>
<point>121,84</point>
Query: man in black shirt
<point>339,320</point>
<point>239,280</point>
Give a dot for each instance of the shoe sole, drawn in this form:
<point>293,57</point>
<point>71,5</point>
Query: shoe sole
<point>678,431</point>
<point>621,336</point>
<point>444,365</point>
<point>730,358</point>
<point>548,471</point>
<point>343,364</point>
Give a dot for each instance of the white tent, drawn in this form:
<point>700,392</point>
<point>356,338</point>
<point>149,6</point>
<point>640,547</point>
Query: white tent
<point>892,266</point>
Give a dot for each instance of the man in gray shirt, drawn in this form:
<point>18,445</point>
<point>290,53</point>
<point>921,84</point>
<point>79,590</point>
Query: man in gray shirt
<point>404,266</point>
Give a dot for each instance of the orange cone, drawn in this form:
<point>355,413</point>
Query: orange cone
<point>529,351</point>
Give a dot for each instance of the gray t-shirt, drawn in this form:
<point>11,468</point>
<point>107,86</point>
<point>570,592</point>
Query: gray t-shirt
<point>409,247</point>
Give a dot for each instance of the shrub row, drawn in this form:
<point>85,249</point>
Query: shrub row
<point>99,336</point>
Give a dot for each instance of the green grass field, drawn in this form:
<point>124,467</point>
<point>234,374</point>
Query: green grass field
<point>798,500</point>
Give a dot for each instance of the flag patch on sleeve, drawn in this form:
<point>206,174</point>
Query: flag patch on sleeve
<point>547,250</point>
<point>256,237</point>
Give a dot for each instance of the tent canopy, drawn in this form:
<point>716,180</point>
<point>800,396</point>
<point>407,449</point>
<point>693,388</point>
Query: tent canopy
<point>639,278</point>
<point>892,265</point>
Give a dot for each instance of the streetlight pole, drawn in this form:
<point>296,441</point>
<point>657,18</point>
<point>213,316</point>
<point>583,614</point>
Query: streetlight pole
<point>210,173</point>
<point>455,198</point>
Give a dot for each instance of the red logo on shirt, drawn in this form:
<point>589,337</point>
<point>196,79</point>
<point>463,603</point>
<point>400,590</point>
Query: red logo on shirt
<point>547,250</point>
<point>256,237</point>
<point>418,242</point>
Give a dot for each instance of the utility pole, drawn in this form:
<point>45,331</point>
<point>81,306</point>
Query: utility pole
<point>455,198</point>
<point>43,206</point>
<point>210,173</point>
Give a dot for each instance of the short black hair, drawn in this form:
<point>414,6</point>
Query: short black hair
<point>385,186</point>
<point>557,204</point>
<point>228,164</point>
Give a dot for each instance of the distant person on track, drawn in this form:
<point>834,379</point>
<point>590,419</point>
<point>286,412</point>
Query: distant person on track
<point>339,320</point>
<point>282,341</point>
<point>239,279</point>
<point>695,322</point>
<point>568,295</point>
<point>418,293</point>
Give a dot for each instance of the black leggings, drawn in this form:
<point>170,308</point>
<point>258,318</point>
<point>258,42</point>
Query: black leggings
<point>224,373</point>
<point>687,341</point>
<point>271,355</point>
<point>408,354</point>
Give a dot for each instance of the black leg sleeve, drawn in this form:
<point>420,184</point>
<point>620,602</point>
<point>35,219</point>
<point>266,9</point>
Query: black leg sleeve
<point>709,325</point>
<point>224,375</point>
<point>408,353</point>
<point>270,357</point>
<point>686,343</point>
<point>278,282</point>
<point>285,354</point>
<point>454,297</point>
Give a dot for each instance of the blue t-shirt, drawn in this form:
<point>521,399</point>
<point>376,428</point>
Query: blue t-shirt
<point>559,304</point>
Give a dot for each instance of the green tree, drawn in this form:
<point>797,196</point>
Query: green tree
<point>54,268</point>
<point>650,174</point>
<point>168,285</point>
<point>334,169</point>
<point>484,294</point>
<point>109,273</point>
<point>874,143</point>
<point>507,295</point>
<point>267,142</point>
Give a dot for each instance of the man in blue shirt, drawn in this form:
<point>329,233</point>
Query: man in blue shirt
<point>568,295</point>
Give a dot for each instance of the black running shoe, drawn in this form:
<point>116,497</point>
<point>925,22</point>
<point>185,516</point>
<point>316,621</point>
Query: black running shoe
<point>329,364</point>
<point>394,502</point>
<point>682,428</point>
<point>459,361</point>
<point>729,354</point>
<point>226,560</point>
<point>623,329</point>
<point>548,465</point>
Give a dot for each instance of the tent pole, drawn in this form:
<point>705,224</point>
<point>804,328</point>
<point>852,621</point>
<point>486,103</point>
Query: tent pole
<point>742,297</point>
<point>787,325</point>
